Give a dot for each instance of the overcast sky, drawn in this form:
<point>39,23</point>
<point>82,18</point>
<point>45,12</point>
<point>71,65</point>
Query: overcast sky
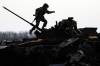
<point>85,12</point>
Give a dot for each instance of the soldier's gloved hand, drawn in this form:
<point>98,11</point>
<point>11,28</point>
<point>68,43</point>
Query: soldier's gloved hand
<point>34,15</point>
<point>53,11</point>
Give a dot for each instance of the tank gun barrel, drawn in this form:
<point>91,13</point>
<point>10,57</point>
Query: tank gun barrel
<point>20,17</point>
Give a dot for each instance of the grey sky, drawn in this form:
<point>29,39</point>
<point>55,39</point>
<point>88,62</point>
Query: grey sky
<point>85,12</point>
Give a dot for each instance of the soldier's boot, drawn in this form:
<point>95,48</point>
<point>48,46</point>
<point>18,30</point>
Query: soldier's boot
<point>30,32</point>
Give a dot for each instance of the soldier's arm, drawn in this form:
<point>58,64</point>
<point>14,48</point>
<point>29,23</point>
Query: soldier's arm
<point>49,12</point>
<point>75,25</point>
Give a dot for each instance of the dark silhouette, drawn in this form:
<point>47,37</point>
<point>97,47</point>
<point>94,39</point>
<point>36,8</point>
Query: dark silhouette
<point>39,16</point>
<point>70,26</point>
<point>72,23</point>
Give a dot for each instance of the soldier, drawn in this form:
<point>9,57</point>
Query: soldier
<point>72,25</point>
<point>39,16</point>
<point>69,26</point>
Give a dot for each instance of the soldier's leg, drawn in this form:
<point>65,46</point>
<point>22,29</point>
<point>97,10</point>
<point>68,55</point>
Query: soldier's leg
<point>33,28</point>
<point>37,23</point>
<point>45,23</point>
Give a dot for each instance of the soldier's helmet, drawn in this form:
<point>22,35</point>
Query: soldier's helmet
<point>70,18</point>
<point>45,5</point>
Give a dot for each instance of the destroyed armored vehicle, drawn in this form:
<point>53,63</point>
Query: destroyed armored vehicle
<point>61,45</point>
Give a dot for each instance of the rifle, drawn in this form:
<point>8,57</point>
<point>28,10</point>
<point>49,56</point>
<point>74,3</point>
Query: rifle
<point>22,18</point>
